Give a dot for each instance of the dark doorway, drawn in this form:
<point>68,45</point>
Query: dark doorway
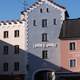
<point>43,75</point>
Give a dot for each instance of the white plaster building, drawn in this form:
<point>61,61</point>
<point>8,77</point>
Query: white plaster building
<point>12,48</point>
<point>30,46</point>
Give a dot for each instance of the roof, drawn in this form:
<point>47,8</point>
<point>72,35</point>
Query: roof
<point>70,29</point>
<point>9,22</point>
<point>39,2</point>
<point>57,4</point>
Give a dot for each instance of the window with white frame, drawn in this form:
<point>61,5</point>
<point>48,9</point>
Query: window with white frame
<point>72,63</point>
<point>44,22</point>
<point>44,54</point>
<point>16,33</point>
<point>6,34</point>
<point>44,37</point>
<point>72,45</point>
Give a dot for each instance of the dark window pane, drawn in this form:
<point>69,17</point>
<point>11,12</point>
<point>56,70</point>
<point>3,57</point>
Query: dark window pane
<point>27,67</point>
<point>16,33</point>
<point>44,23</point>
<point>16,49</point>
<point>44,37</point>
<point>55,22</point>
<point>34,22</point>
<point>72,63</point>
<point>5,34</point>
<point>44,54</point>
<point>41,10</point>
<point>72,46</point>
<point>47,10</point>
<point>5,66</point>
<point>5,50</point>
<point>16,66</point>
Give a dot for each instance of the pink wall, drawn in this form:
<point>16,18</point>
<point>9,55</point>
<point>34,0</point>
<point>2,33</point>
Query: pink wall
<point>67,54</point>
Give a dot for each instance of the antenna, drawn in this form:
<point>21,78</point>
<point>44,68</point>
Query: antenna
<point>25,4</point>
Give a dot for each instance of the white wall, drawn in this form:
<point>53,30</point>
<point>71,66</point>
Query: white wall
<point>35,35</point>
<point>11,41</point>
<point>35,32</point>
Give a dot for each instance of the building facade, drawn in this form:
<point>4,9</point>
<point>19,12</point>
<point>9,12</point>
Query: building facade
<point>43,42</point>
<point>32,48</point>
<point>12,49</point>
<point>70,53</point>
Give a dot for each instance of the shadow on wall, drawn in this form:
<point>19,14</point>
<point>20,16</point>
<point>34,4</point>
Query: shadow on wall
<point>9,60</point>
<point>28,62</point>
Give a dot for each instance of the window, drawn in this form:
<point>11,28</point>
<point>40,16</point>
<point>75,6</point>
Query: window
<point>16,33</point>
<point>5,67</point>
<point>34,22</point>
<point>44,23</point>
<point>5,34</point>
<point>41,10</point>
<point>5,50</point>
<point>54,21</point>
<point>16,49</point>
<point>47,10</point>
<point>72,46</point>
<point>44,54</point>
<point>44,37</point>
<point>16,66</point>
<point>27,67</point>
<point>72,63</point>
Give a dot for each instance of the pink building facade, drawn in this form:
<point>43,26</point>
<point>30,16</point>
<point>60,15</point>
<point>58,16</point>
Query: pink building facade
<point>70,59</point>
<point>70,48</point>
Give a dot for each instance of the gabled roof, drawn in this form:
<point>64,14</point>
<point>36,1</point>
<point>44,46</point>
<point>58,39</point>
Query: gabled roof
<point>36,4</point>
<point>70,29</point>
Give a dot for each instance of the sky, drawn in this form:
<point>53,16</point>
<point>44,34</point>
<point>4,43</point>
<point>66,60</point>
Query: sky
<point>10,9</point>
